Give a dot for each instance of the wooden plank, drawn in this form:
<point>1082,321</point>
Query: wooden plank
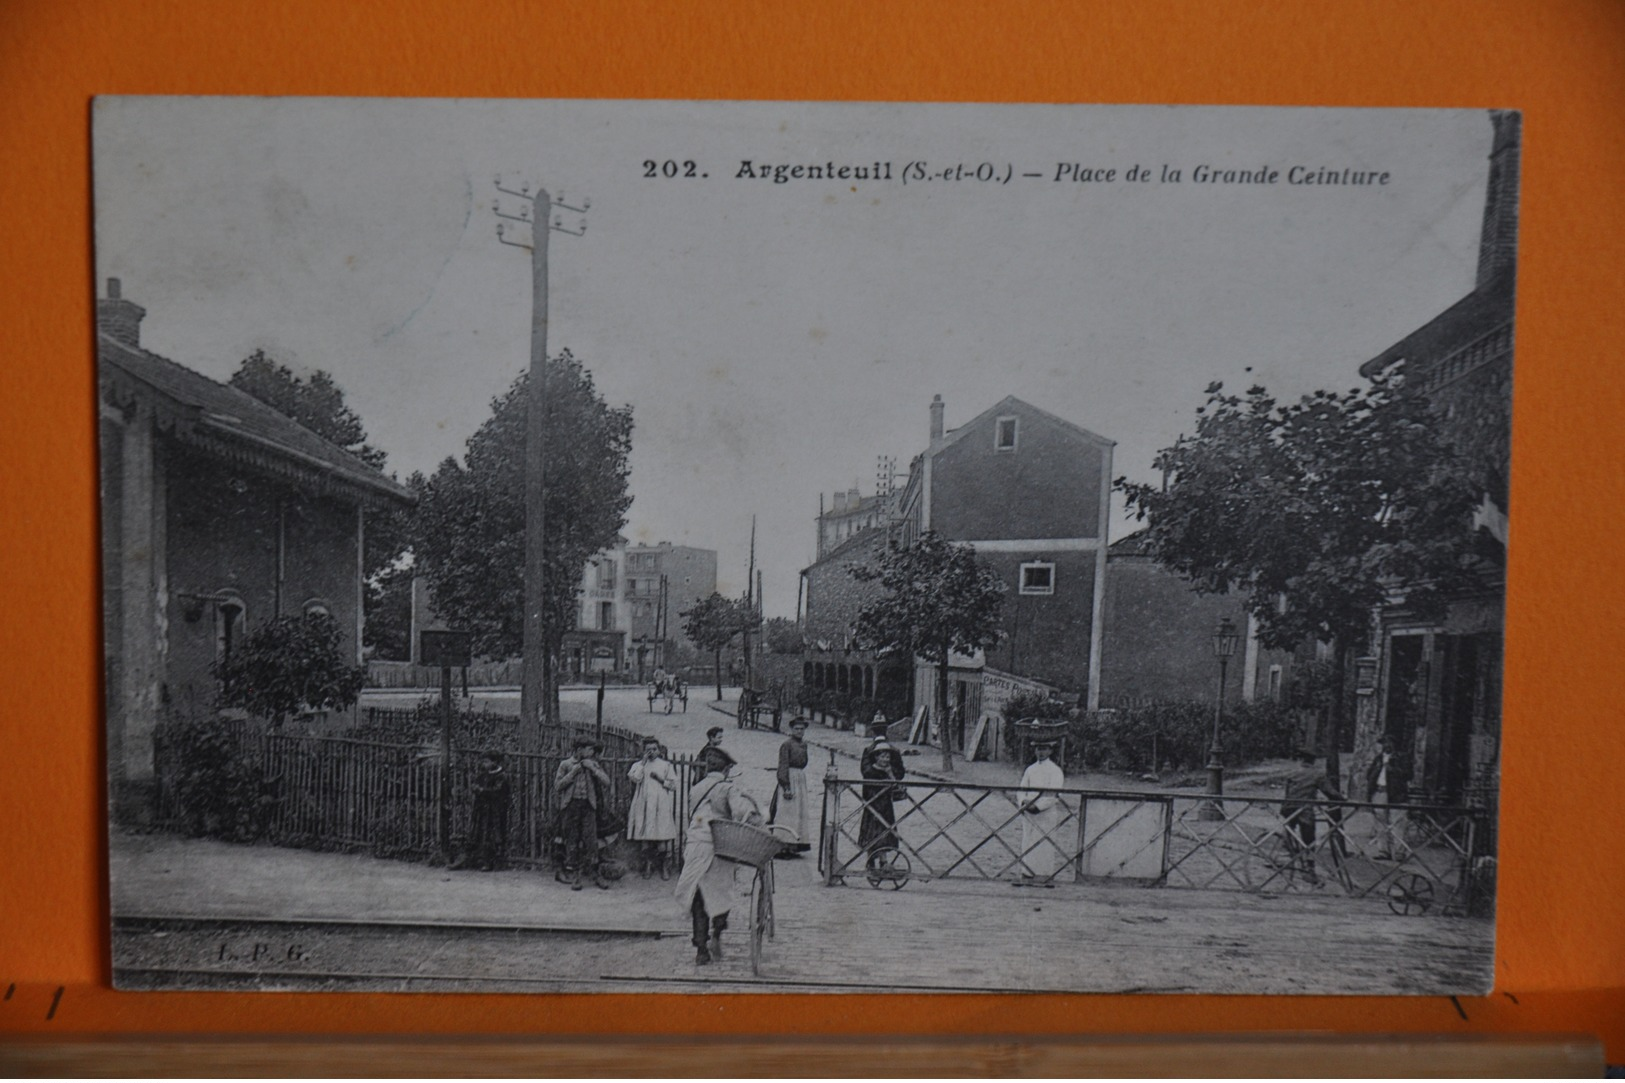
<point>1008,1057</point>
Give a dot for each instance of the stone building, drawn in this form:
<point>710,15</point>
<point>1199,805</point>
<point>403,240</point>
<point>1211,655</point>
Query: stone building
<point>218,513</point>
<point>663,581</point>
<point>1434,686</point>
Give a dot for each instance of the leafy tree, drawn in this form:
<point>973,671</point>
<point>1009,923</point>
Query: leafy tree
<point>317,403</point>
<point>940,598</point>
<point>287,665</point>
<point>1317,510</point>
<point>712,624</point>
<point>469,539</point>
<point>388,605</point>
<point>781,635</point>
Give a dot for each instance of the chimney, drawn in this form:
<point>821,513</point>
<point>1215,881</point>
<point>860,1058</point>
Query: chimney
<point>852,498</point>
<point>840,502</point>
<point>936,419</point>
<point>117,318</point>
<point>1498,240</point>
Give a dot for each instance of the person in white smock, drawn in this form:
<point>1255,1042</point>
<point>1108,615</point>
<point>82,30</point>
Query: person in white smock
<point>709,885</point>
<point>651,820</point>
<point>1041,816</point>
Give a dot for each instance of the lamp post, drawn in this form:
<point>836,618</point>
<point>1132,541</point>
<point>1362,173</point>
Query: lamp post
<point>1224,645</point>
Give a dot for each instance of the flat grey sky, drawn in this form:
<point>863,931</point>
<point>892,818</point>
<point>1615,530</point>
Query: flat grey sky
<point>774,339</point>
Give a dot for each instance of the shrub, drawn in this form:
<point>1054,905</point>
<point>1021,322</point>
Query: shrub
<point>287,665</point>
<point>216,793</point>
<point>1178,734</point>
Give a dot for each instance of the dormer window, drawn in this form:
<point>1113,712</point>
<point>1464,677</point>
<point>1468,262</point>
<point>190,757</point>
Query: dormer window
<point>1004,434</point>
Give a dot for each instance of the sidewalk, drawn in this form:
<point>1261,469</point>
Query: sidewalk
<point>489,928</point>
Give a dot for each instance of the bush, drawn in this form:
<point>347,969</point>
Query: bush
<point>1178,734</point>
<point>484,730</point>
<point>287,665</point>
<point>216,793</point>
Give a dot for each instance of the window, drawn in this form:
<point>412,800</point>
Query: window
<point>606,574</point>
<point>1038,578</point>
<point>1004,434</point>
<point>606,616</point>
<point>229,617</point>
<point>1275,684</point>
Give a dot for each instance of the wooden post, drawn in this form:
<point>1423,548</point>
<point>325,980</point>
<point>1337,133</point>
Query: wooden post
<point>445,764</point>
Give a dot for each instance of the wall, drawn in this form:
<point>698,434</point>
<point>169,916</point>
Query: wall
<point>1047,636</point>
<point>222,536</point>
<point>1158,637</point>
<point>1048,487</point>
<point>834,598</point>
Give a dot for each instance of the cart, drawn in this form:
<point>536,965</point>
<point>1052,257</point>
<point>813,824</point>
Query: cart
<point>758,710</point>
<point>671,692</point>
<point>755,846</point>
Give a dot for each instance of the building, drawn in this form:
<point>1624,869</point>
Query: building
<point>664,581</point>
<point>218,513</point>
<point>598,641</point>
<point>1158,633</point>
<point>1434,686</point>
<point>1030,491</point>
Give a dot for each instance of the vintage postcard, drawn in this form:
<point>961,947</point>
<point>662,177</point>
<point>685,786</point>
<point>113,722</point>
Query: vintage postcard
<point>695,547</point>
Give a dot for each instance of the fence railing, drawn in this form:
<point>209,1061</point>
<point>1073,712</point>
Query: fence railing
<point>1418,857</point>
<point>337,793</point>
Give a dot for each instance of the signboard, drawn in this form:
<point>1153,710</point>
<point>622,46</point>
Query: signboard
<point>444,649</point>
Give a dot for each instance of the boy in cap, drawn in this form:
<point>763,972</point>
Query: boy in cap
<point>582,786</point>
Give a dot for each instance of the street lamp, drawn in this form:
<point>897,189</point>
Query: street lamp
<point>1225,638</point>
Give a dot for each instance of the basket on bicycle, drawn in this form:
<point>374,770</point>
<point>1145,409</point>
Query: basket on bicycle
<point>742,842</point>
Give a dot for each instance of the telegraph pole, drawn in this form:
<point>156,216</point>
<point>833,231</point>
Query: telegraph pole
<point>536,211</point>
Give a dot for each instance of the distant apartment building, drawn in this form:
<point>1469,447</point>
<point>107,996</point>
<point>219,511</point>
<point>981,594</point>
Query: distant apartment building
<point>663,581</point>
<point>598,642</point>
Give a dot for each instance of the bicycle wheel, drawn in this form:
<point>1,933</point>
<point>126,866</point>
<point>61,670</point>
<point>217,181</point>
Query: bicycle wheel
<point>888,866</point>
<point>1411,893</point>
<point>760,904</point>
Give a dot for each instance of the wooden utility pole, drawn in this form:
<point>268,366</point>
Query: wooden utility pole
<point>536,692</point>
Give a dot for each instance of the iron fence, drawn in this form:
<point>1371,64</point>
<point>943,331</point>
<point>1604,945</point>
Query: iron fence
<point>1418,857</point>
<point>336,793</point>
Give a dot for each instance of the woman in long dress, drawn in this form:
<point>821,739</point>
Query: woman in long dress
<point>791,807</point>
<point>651,821</point>
<point>883,768</point>
<point>1042,816</point>
<point>709,885</point>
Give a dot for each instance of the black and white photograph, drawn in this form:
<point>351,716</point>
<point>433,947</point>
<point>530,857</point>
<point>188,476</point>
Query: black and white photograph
<point>702,547</point>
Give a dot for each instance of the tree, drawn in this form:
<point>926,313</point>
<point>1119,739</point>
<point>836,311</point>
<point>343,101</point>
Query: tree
<point>1317,510</point>
<point>316,403</point>
<point>781,635</point>
<point>469,539</point>
<point>712,624</point>
<point>940,598</point>
<point>286,665</point>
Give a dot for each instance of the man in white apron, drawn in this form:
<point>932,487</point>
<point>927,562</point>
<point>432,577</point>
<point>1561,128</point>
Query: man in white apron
<point>708,887</point>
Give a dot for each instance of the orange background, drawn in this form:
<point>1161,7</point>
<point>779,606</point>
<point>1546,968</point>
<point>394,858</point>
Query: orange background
<point>1561,931</point>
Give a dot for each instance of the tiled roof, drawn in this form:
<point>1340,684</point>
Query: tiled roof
<point>237,426</point>
<point>1473,315</point>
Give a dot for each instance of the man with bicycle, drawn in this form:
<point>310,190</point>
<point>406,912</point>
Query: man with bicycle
<point>1306,783</point>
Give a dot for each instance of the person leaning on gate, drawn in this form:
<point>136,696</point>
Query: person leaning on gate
<point>1388,782</point>
<point>582,787</point>
<point>1305,784</point>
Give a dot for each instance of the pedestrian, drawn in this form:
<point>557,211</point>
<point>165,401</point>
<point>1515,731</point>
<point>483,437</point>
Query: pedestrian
<point>712,756</point>
<point>1305,784</point>
<point>791,806</point>
<point>488,829</point>
<point>1042,814</point>
<point>882,768</point>
<point>582,789</point>
<point>877,741</point>
<point>651,822</point>
<point>708,886</point>
<point>1387,779</point>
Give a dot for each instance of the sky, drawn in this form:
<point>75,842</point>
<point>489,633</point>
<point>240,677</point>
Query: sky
<point>774,339</point>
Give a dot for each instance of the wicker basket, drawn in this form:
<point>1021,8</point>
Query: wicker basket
<point>743,842</point>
